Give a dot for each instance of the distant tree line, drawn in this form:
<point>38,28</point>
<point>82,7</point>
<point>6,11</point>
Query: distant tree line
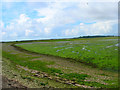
<point>61,39</point>
<point>95,36</point>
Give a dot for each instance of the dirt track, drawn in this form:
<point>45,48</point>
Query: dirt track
<point>7,83</point>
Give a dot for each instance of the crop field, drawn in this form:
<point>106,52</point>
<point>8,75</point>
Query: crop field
<point>100,52</point>
<point>67,63</point>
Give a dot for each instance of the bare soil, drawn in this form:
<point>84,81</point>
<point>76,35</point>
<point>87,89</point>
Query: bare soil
<point>7,83</point>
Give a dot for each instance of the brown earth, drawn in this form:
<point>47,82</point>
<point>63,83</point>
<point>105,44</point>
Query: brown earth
<point>7,83</point>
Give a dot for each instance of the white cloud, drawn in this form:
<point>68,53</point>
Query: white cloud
<point>1,25</point>
<point>102,26</point>
<point>23,19</point>
<point>81,24</point>
<point>72,32</point>
<point>14,34</point>
<point>54,14</point>
<point>26,27</point>
<point>3,33</point>
<point>59,14</point>
<point>28,32</point>
<point>60,0</point>
<point>20,24</point>
<point>10,27</point>
<point>98,28</point>
<point>47,30</point>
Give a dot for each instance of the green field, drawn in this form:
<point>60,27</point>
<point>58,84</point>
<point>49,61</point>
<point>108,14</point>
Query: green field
<point>67,63</point>
<point>97,52</point>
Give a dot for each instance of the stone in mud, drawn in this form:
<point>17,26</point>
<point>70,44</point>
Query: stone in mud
<point>34,71</point>
<point>73,83</point>
<point>50,78</point>
<point>14,75</point>
<point>36,75</point>
<point>61,78</point>
<point>56,77</point>
<point>65,79</point>
<point>77,85</point>
<point>58,80</point>
<point>68,83</point>
<point>45,75</point>
<point>41,75</point>
<point>56,74</point>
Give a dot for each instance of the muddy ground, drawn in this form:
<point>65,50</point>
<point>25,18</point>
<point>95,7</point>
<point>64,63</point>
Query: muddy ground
<point>12,79</point>
<point>7,83</point>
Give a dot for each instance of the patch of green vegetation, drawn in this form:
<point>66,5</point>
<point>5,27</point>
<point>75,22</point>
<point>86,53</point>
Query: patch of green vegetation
<point>96,84</point>
<point>103,74</point>
<point>41,66</point>
<point>26,78</point>
<point>97,52</point>
<point>75,76</point>
<point>41,83</point>
<point>79,78</point>
<point>93,84</point>
<point>36,65</point>
<point>112,83</point>
<point>31,79</point>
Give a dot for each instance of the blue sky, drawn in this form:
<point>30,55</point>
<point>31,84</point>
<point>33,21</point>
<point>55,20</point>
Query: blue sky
<point>46,20</point>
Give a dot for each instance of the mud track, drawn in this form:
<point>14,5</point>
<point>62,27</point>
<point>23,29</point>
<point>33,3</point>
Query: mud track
<point>7,83</point>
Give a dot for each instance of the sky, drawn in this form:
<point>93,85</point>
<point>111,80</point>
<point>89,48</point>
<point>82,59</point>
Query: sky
<point>51,20</point>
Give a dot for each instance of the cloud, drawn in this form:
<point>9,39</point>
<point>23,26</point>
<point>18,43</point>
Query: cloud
<point>60,0</point>
<point>59,19</point>
<point>1,25</point>
<point>54,14</point>
<point>24,26</point>
<point>98,28</point>
<point>72,32</point>
<point>3,33</point>
<point>81,24</point>
<point>47,30</point>
<point>14,34</point>
<point>27,32</point>
<point>23,19</point>
<point>61,13</point>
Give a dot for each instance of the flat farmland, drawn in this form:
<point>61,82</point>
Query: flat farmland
<point>65,63</point>
<point>98,52</point>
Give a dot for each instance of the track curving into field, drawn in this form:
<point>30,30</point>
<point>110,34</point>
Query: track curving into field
<point>63,64</point>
